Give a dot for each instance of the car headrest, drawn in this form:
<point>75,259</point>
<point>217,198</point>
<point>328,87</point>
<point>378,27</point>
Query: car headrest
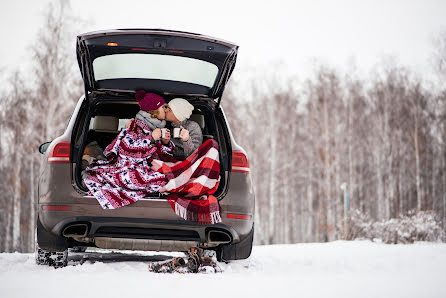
<point>106,123</point>
<point>199,119</point>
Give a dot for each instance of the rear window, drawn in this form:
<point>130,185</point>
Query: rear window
<point>155,66</point>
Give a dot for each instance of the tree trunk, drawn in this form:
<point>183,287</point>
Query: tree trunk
<point>417,155</point>
<point>16,204</point>
<point>327,172</point>
<point>32,208</point>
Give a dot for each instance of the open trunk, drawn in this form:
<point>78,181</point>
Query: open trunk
<point>106,116</point>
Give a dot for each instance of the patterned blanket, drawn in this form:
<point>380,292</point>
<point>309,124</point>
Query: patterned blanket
<point>136,167</point>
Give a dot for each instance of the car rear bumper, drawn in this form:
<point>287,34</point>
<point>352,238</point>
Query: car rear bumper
<point>145,225</point>
<point>61,206</point>
<point>144,234</point>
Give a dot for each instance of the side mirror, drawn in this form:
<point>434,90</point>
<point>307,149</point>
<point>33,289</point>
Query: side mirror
<point>44,147</point>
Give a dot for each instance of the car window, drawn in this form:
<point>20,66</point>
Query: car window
<point>155,66</point>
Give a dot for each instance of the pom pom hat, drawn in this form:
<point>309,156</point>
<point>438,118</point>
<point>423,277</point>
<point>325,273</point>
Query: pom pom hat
<point>149,101</point>
<point>181,108</point>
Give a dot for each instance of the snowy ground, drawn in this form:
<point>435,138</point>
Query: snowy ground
<point>336,269</point>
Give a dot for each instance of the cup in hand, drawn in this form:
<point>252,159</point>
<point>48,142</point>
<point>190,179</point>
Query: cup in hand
<point>176,132</point>
<point>163,133</point>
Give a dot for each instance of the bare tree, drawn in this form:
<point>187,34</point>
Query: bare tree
<point>34,111</point>
<point>383,135</point>
<point>439,56</point>
<point>57,78</point>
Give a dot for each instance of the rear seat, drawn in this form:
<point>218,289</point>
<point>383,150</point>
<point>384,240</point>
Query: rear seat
<point>199,119</point>
<point>105,130</point>
<point>106,124</point>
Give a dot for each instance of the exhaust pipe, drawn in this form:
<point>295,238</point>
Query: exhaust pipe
<point>219,237</point>
<point>75,230</point>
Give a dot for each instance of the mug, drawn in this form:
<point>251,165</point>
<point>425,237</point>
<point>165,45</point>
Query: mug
<point>176,132</point>
<point>163,133</point>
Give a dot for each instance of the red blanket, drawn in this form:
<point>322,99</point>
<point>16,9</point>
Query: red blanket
<point>135,167</point>
<point>197,178</point>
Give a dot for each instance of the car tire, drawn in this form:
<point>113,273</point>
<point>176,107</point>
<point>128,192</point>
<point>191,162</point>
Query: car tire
<point>237,251</point>
<point>56,259</point>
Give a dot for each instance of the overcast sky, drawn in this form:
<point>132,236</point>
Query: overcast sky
<point>293,32</point>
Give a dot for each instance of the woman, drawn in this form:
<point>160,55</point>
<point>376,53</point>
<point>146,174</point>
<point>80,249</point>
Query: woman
<point>152,113</point>
<point>126,175</point>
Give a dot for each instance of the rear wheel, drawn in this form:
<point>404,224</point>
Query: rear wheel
<point>237,251</point>
<point>49,257</point>
<point>56,259</point>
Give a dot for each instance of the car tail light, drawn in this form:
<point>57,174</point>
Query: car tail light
<point>239,162</point>
<point>239,216</point>
<point>60,153</point>
<point>112,44</point>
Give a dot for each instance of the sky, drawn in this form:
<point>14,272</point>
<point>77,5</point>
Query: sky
<point>273,36</point>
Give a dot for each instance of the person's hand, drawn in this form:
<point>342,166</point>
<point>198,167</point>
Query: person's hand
<point>156,133</point>
<point>128,123</point>
<point>166,140</point>
<point>184,134</point>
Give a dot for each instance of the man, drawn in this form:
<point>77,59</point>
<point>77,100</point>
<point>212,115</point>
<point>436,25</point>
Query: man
<point>190,137</point>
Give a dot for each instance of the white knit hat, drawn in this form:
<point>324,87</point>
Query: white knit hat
<point>181,108</point>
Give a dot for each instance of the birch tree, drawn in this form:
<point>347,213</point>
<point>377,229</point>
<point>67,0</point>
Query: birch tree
<point>36,110</point>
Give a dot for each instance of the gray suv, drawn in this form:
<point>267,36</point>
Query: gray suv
<point>114,64</point>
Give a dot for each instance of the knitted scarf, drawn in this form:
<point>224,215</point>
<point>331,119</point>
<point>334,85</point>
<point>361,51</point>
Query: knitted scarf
<point>152,123</point>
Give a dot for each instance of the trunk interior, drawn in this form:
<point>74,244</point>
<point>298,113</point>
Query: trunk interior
<point>103,119</point>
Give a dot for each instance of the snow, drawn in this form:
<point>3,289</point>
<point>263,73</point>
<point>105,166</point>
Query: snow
<point>335,269</point>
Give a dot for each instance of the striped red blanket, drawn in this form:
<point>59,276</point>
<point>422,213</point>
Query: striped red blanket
<point>192,182</point>
<point>136,167</point>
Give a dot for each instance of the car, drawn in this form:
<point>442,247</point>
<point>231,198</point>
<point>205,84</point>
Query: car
<point>114,64</point>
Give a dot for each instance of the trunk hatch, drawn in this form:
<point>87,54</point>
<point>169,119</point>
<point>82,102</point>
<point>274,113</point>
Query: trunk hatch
<point>169,62</point>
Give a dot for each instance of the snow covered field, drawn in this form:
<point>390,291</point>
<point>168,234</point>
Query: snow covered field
<point>335,269</point>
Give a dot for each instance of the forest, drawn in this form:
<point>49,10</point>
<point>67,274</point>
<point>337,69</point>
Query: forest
<point>382,135</point>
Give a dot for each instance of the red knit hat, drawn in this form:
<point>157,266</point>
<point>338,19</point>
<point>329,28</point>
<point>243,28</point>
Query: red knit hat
<point>149,101</point>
